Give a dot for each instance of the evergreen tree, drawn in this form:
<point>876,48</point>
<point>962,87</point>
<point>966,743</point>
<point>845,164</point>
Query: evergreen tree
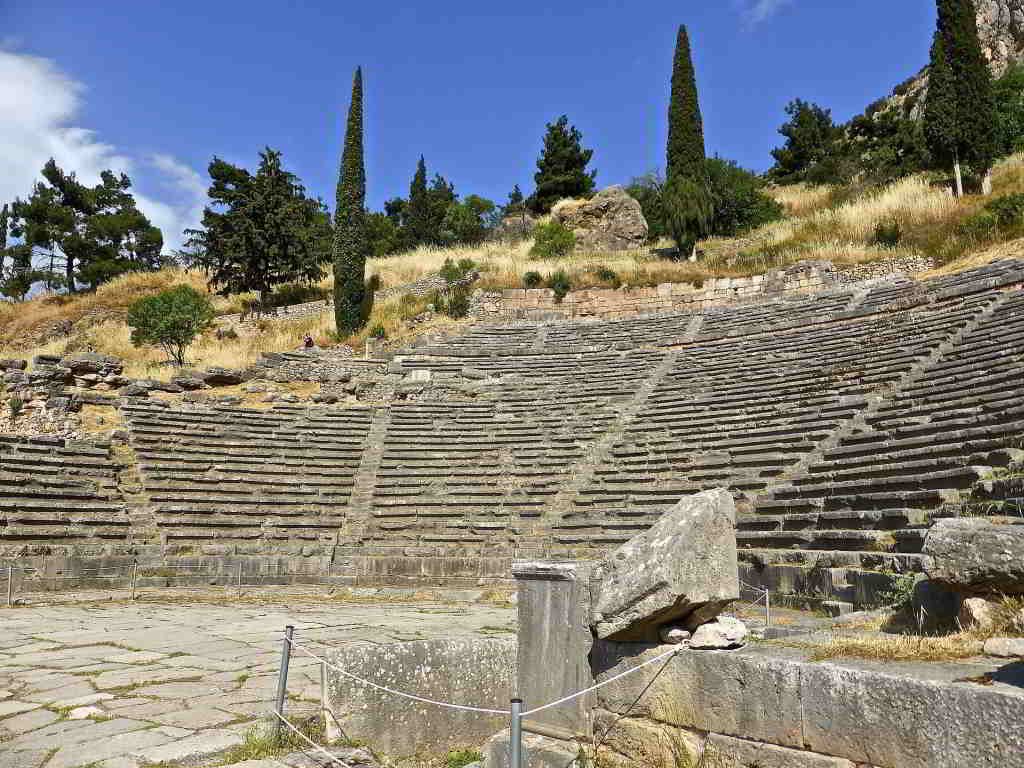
<point>441,196</point>
<point>959,113</point>
<point>810,135</point>
<point>351,241</point>
<point>685,124</point>
<point>416,212</point>
<point>515,200</point>
<point>4,219</point>
<point>266,233</point>
<point>561,167</point>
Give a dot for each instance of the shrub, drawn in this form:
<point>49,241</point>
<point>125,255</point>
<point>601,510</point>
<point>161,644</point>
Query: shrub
<point>454,302</point>
<point>606,275</point>
<point>738,199</point>
<point>552,240</point>
<point>170,320</point>
<point>296,293</point>
<point>460,758</point>
<point>16,406</point>
<point>532,280</point>
<point>1007,209</point>
<point>453,273</point>
<point>559,282</point>
<point>888,233</point>
<point>378,332</point>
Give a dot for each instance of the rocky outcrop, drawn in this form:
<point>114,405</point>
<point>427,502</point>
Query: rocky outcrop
<point>610,221</point>
<point>682,571</point>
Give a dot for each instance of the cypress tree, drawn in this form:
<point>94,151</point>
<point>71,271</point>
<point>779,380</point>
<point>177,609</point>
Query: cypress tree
<point>685,126</point>
<point>417,210</point>
<point>960,114</point>
<point>351,242</point>
<point>4,213</point>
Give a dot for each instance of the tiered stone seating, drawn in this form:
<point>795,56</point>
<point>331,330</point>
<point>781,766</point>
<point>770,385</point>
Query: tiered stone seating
<point>59,492</point>
<point>742,414</point>
<point>918,454</point>
<point>480,474</point>
<point>239,475</point>
<point>721,322</point>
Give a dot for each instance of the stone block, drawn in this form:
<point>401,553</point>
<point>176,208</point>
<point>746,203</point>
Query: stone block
<point>741,753</point>
<point>644,743</point>
<point>538,752</point>
<point>554,625</point>
<point>746,694</point>
<point>903,722</point>
<point>472,671</point>
<point>1005,647</point>
<point>977,555</point>
<point>681,570</point>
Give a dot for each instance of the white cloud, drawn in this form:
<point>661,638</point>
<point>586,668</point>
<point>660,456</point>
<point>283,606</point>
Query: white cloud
<point>756,11</point>
<point>40,104</point>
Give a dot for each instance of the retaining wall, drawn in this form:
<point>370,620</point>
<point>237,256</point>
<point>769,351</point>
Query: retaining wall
<point>471,671</point>
<point>609,303</point>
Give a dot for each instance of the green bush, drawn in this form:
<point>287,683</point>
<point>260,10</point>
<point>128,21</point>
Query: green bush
<point>378,332</point>
<point>16,406</point>
<point>171,320</point>
<point>532,280</point>
<point>297,293</point>
<point>460,758</point>
<point>606,275</point>
<point>454,302</point>
<point>1007,209</point>
<point>738,199</point>
<point>888,233</point>
<point>559,282</point>
<point>453,273</point>
<point>552,241</point>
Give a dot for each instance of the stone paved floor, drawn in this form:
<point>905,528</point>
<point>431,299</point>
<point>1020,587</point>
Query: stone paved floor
<point>176,675</point>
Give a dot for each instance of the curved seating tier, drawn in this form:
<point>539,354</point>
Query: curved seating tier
<point>59,492</point>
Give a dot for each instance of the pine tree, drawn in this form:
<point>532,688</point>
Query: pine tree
<point>515,200</point>
<point>351,241</point>
<point>959,113</point>
<point>266,233</point>
<point>562,167</point>
<point>686,152</point>
<point>416,214</point>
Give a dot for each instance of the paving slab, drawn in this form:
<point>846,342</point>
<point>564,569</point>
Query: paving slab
<point>191,747</point>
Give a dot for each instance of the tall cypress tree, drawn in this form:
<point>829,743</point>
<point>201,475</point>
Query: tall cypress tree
<point>685,126</point>
<point>4,213</point>
<point>959,113</point>
<point>417,210</point>
<point>351,242</point>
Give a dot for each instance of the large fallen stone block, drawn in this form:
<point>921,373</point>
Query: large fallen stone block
<point>682,570</point>
<point>977,555</point>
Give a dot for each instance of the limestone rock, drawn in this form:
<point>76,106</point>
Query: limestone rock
<point>977,555</point>
<point>682,570</point>
<point>674,635</point>
<point>1005,647</point>
<point>976,613</point>
<point>222,377</point>
<point>91,362</point>
<point>723,633</point>
<point>610,221</point>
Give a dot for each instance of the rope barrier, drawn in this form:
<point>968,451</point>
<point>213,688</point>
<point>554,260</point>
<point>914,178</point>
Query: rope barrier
<point>584,692</point>
<point>485,710</point>
<point>333,758</point>
<point>392,691</point>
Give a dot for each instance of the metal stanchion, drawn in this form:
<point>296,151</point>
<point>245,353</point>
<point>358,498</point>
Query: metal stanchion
<point>10,586</point>
<point>282,679</point>
<point>515,742</point>
<point>767,609</point>
<point>135,573</point>
<point>239,580</point>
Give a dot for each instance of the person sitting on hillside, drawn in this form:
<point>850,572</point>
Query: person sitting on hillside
<point>307,342</point>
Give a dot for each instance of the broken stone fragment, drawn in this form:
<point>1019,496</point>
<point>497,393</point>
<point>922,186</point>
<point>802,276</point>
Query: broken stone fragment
<point>681,571</point>
<point>723,633</point>
<point>674,635</point>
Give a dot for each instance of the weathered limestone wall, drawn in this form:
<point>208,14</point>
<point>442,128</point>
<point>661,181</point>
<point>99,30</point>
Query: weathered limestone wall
<point>609,303</point>
<point>769,706</point>
<point>471,671</point>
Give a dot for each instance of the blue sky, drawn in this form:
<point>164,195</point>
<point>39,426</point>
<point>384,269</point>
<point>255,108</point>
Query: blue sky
<point>158,88</point>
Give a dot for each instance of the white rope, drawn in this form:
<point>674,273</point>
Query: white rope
<point>403,694</point>
<point>333,758</point>
<point>610,680</point>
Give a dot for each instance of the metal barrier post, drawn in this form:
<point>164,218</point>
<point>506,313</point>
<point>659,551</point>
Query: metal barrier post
<point>10,586</point>
<point>767,608</point>
<point>282,680</point>
<point>239,579</point>
<point>135,573</point>
<point>515,742</point>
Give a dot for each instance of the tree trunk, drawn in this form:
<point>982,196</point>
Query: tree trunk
<point>958,174</point>
<point>69,272</point>
<point>986,183</point>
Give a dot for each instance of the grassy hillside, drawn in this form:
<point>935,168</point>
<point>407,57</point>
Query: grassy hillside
<point>837,224</point>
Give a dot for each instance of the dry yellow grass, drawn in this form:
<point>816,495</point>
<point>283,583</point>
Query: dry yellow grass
<point>897,648</point>
<point>802,199</point>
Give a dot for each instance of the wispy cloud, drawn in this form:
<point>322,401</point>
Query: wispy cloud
<point>756,11</point>
<point>40,104</point>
